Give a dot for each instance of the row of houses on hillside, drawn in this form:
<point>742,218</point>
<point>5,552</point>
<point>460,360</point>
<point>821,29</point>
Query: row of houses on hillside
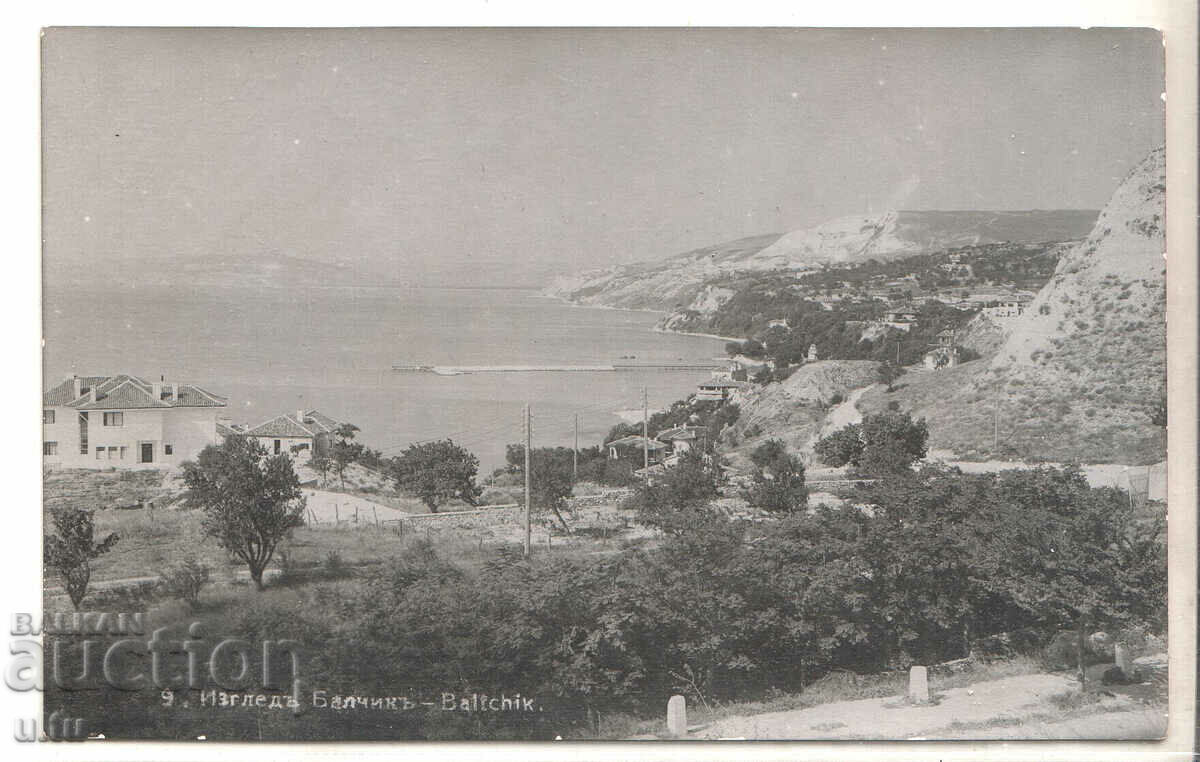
<point>124,421</point>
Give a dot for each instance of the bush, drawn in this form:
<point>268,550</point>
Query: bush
<point>185,581</point>
<point>334,567</point>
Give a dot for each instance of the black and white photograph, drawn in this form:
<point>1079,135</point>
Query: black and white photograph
<point>604,384</point>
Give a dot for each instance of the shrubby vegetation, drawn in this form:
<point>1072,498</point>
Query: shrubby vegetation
<point>778,485</point>
<point>726,609</point>
<point>885,443</point>
<point>678,499</point>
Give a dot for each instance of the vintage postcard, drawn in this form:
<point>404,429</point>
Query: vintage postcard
<point>604,384</point>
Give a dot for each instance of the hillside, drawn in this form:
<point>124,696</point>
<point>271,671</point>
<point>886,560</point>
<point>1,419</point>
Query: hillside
<point>896,234</point>
<point>667,285</point>
<point>794,410</point>
<point>675,282</point>
<point>1079,375</point>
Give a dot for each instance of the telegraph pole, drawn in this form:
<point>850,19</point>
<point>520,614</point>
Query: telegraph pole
<point>528,444</point>
<point>575,453</point>
<point>996,423</point>
<point>645,433</point>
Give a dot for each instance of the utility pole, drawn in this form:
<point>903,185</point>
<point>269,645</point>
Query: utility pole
<point>575,453</point>
<point>996,423</point>
<point>645,433</point>
<point>897,353</point>
<point>528,445</point>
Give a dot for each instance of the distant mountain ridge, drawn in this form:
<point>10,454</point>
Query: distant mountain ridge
<point>676,281</point>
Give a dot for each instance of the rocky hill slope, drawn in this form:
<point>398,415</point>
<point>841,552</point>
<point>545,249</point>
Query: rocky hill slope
<point>794,410</point>
<point>675,283</point>
<point>1079,375</point>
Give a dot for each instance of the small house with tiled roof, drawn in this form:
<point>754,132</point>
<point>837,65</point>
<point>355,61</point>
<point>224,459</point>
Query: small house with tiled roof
<point>681,438</point>
<point>124,421</point>
<point>303,434</point>
<point>636,448</point>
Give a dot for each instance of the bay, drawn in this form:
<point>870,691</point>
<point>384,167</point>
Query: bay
<point>275,350</point>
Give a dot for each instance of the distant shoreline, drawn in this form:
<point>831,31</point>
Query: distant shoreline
<point>659,329</point>
<point>656,329</point>
<point>569,303</point>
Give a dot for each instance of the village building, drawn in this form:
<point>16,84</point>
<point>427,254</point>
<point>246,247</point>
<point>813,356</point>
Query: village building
<point>681,438</point>
<point>812,353</point>
<point>635,448</point>
<point>957,270</point>
<point>304,435</point>
<point>777,323</point>
<point>735,371</point>
<point>902,320</point>
<point>944,353</point>
<point>1006,308</point>
<point>716,390</point>
<point>124,421</point>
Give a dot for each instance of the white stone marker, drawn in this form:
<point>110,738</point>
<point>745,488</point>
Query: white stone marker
<point>918,685</point>
<point>677,716</point>
<point>1121,657</point>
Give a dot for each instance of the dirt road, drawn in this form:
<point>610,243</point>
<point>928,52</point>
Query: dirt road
<point>1012,707</point>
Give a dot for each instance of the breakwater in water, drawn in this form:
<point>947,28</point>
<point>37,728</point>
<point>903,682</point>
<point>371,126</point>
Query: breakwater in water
<point>456,370</point>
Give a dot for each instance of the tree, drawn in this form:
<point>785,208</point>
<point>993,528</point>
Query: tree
<point>251,500</point>
<point>322,464</point>
<point>71,549</point>
<point>885,443</point>
<point>550,481</point>
<point>344,450</point>
<point>778,479</point>
<point>887,373</point>
<point>436,472</point>
<point>674,500</point>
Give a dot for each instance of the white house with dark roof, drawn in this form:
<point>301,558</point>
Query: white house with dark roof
<point>302,434</point>
<point>126,422</point>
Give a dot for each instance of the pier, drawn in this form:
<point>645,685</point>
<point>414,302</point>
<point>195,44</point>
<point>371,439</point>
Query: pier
<point>456,370</point>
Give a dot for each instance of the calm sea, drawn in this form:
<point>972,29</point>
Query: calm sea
<point>276,350</point>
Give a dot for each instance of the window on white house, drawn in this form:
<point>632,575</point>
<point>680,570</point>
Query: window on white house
<point>49,448</point>
<point>112,453</point>
<point>47,416</point>
<point>100,453</point>
<point>114,419</point>
<point>168,449</point>
<point>277,447</point>
<point>124,449</point>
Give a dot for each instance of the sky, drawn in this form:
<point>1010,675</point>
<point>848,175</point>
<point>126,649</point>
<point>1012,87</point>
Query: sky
<point>502,157</point>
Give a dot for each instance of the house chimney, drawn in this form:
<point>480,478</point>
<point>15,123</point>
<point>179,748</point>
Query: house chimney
<point>77,387</point>
<point>300,416</point>
<point>174,392</point>
<point>156,390</point>
<point>92,394</point>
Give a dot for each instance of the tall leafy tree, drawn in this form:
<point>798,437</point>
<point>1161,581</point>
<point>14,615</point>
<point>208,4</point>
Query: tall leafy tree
<point>437,472</point>
<point>885,443</point>
<point>72,548</point>
<point>550,481</point>
<point>344,450</point>
<point>251,500</point>
<point>676,500</point>
<point>778,484</point>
